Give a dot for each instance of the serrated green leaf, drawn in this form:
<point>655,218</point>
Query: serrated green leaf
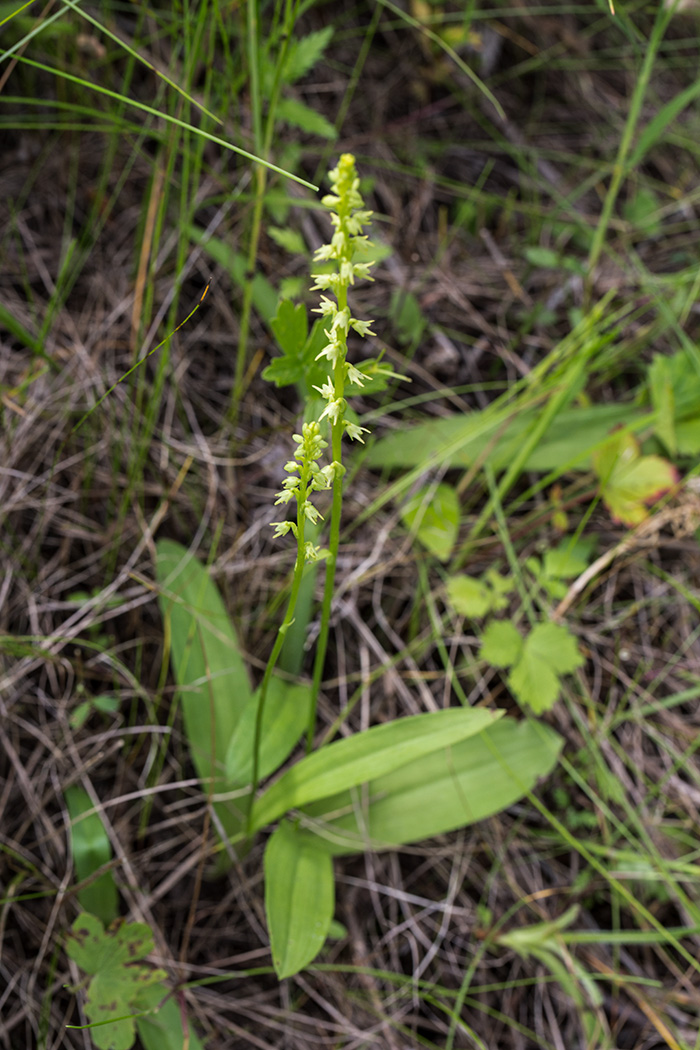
<point>468,596</point>
<point>629,481</point>
<point>501,643</point>
<point>291,240</point>
<point>356,759</point>
<point>439,792</point>
<point>213,685</point>
<point>433,514</point>
<point>299,115</point>
<point>285,717</point>
<point>91,849</point>
<point>113,956</point>
<point>299,898</point>
<point>304,53</point>
<point>549,651</point>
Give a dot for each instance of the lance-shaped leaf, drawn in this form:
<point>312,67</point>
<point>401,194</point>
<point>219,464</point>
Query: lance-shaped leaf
<point>91,850</point>
<point>442,791</point>
<point>299,898</point>
<point>214,689</point>
<point>285,716</point>
<point>359,758</point>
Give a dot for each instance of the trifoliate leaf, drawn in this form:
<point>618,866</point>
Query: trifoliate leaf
<point>113,956</point>
<point>433,514</point>
<point>501,643</point>
<point>629,481</point>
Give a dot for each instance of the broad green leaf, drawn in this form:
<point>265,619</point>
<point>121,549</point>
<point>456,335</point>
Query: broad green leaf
<point>91,849</point>
<point>501,643</point>
<point>214,689</point>
<point>113,957</point>
<point>630,481</point>
<point>469,596</point>
<point>460,440</point>
<point>356,759</point>
<point>548,652</point>
<point>290,327</point>
<point>433,514</point>
<point>163,1029</point>
<point>302,116</point>
<point>299,898</point>
<point>304,53</point>
<point>285,717</point>
<point>440,792</point>
<point>662,398</point>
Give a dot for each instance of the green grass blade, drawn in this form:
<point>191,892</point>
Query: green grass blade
<point>89,86</point>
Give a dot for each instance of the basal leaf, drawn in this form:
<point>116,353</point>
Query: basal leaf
<point>91,849</point>
<point>498,434</point>
<point>501,643</point>
<point>440,792</point>
<point>433,514</point>
<point>299,898</point>
<point>358,758</point>
<point>285,717</point>
<point>629,481</point>
<point>209,669</point>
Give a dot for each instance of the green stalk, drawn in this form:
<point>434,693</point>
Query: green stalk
<point>270,667</point>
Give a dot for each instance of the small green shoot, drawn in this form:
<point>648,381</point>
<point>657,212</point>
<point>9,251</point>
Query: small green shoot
<point>91,850</point>
<point>537,662</point>
<point>113,957</point>
<point>106,705</point>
